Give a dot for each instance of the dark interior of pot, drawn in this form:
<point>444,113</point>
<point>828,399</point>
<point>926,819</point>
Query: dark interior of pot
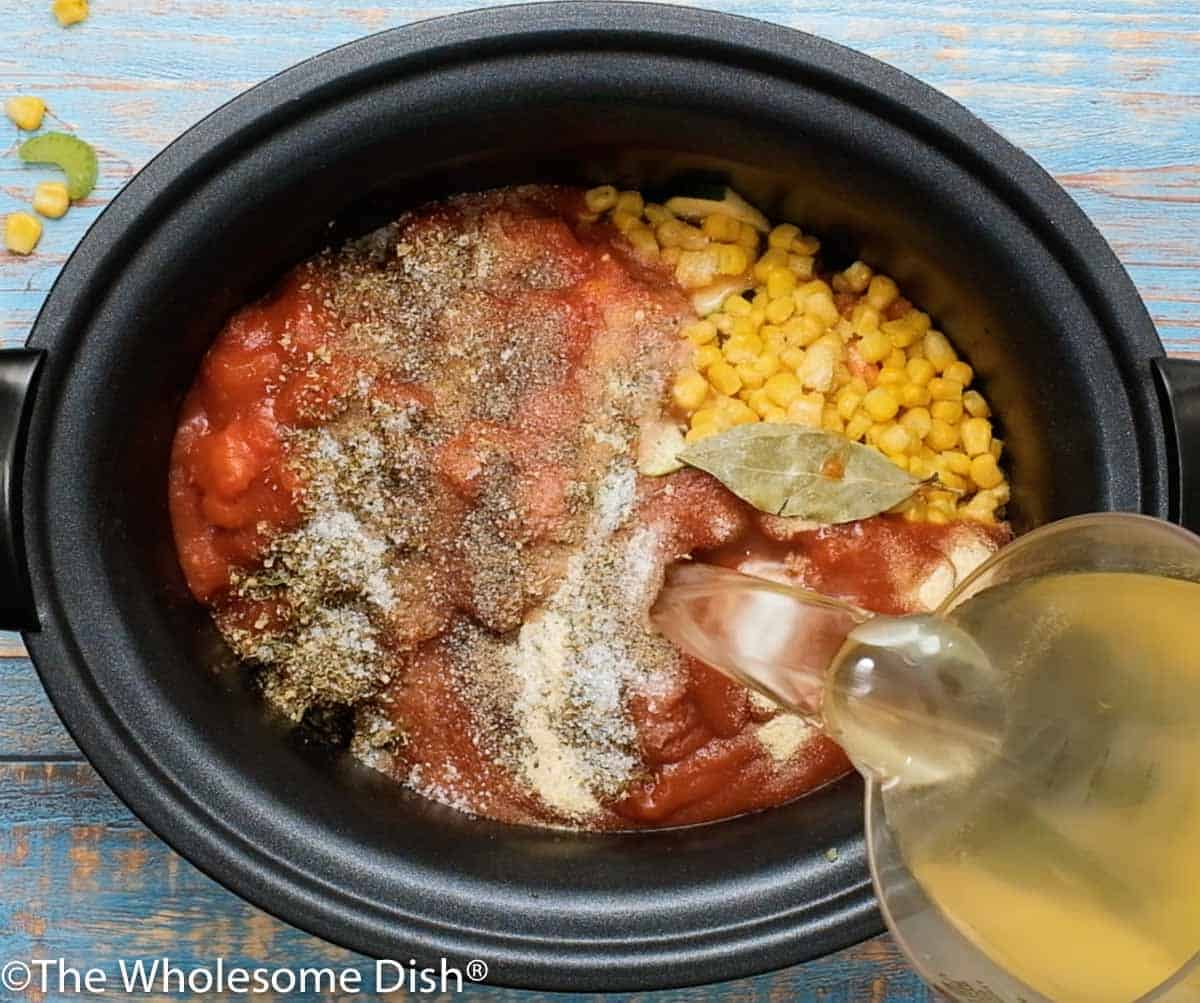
<point>618,902</point>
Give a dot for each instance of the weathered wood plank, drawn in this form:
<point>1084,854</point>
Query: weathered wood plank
<point>29,727</point>
<point>83,881</point>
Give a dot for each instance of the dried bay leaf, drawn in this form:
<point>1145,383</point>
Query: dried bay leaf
<point>790,470</point>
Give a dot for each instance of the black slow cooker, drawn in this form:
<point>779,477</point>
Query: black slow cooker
<point>875,162</point>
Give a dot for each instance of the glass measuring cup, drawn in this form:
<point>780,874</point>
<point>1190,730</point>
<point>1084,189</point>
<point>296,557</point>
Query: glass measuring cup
<point>977,812</point>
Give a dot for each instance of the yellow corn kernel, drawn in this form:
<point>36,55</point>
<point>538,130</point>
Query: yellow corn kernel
<point>705,356</point>
<point>859,385</point>
<point>689,390</point>
<point>643,241</point>
<point>942,389</point>
<point>801,266</point>
<point>21,232</point>
<point>783,388</point>
<point>631,202</point>
<point>700,332</point>
<point>706,422</point>
<point>982,507</point>
<point>894,378</point>
<point>748,237</point>
<point>806,245</point>
<point>864,319</point>
<point>895,441</point>
<point>848,400</point>
<point>775,415</point>
<point>918,421</point>
<point>738,306</point>
<point>819,362</point>
<point>26,112</point>
<point>783,235</point>
<point>50,199</point>
<point>751,378</point>
<point>937,517</point>
<point>874,346</point>
<point>677,233</point>
<point>743,348</point>
<point>896,359</point>
<point>760,401</point>
<point>943,501</point>
<point>625,221</point>
<point>767,365</point>
<point>857,277</point>
<point>773,338</point>
<point>793,358</point>
<point>841,375</point>
<point>950,412</point>
<point>807,410</point>
<point>732,259</point>
<point>758,311</point>
<point>881,404</point>
<point>820,307</point>
<point>996,448</point>
<point>917,511</point>
<point>740,413</point>
<point>670,255</point>
<point>1000,494</point>
<point>656,213</point>
<point>952,481</point>
<point>781,282</point>
<point>985,471</point>
<point>600,199</point>
<point>831,421</point>
<point>745,329</point>
<point>941,435</point>
<point>780,309</point>
<point>902,333</point>
<point>857,426</point>
<point>69,12</point>
<point>881,292</point>
<point>920,467</point>
<point>920,371</point>
<point>802,331</point>
<point>725,378</point>
<point>938,350</point>
<point>956,462</point>
<point>718,226</point>
<point>914,395</point>
<point>977,436</point>
<point>696,269</point>
<point>814,286</point>
<point>772,258</point>
<point>976,406</point>
<point>959,372</point>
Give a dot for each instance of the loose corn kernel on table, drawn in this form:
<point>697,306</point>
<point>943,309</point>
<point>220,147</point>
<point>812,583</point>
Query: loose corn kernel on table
<point>1104,93</point>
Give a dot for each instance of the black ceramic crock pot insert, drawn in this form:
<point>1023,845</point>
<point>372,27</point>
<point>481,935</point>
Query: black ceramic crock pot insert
<point>879,164</point>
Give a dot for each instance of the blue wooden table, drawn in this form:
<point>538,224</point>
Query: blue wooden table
<point>1104,93</point>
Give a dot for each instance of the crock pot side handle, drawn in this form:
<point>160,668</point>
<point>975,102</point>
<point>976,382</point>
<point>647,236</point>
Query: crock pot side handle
<point>1179,385</point>
<point>19,368</point>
